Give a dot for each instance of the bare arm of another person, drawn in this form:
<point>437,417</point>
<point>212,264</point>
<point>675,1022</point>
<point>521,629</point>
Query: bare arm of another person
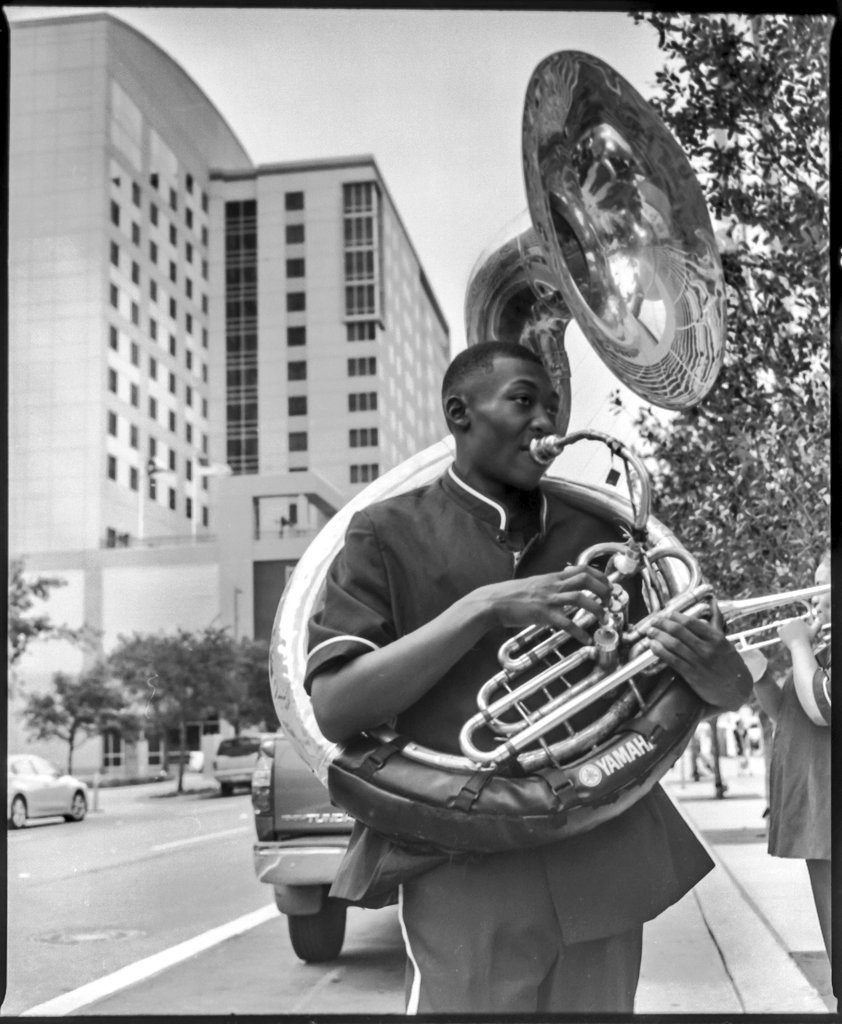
<point>811,681</point>
<point>374,687</point>
<point>766,690</point>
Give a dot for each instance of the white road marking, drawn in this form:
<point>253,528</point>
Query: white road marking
<point>61,1005</point>
<point>200,839</point>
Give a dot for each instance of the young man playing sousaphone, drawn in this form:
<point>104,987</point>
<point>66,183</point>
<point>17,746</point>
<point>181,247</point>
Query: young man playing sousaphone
<point>428,585</point>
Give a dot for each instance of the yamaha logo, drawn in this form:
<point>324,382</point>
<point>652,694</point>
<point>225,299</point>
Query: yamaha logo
<point>590,775</point>
<point>629,750</point>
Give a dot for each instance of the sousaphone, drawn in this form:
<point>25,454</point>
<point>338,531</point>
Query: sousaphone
<point>620,242</point>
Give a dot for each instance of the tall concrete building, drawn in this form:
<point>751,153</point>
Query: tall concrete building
<point>207,358</point>
<point>111,146</point>
<point>331,344</point>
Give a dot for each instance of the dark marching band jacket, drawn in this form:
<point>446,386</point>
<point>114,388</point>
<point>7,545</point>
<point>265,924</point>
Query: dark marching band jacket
<point>406,560</point>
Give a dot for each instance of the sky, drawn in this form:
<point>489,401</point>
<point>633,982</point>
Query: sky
<point>435,96</point>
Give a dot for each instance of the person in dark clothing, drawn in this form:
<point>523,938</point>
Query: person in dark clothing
<point>425,589</point>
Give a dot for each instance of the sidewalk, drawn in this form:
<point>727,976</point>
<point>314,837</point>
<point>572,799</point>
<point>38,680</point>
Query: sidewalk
<point>107,798</point>
<point>746,939</point>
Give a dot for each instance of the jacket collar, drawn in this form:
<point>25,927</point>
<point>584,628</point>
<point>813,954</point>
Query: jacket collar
<point>480,505</point>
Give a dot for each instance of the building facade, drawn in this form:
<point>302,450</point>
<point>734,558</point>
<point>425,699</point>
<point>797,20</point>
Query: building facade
<point>109,312</point>
<point>207,358</point>
<point>332,345</point>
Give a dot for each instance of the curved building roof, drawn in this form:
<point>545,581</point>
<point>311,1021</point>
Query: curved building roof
<point>155,82</point>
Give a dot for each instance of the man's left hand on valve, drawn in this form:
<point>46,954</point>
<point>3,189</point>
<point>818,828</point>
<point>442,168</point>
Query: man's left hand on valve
<point>703,656</point>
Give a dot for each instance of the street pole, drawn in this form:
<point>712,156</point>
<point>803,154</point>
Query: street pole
<point>205,468</point>
<point>140,507</point>
<point>194,519</point>
<point>237,593</point>
<point>152,470</point>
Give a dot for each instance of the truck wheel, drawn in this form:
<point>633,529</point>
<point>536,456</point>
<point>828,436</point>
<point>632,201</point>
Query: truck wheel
<point>318,937</point>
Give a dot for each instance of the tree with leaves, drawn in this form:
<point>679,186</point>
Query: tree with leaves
<point>743,478</point>
<point>79,707</point>
<point>25,623</point>
<point>177,678</point>
<point>254,705</point>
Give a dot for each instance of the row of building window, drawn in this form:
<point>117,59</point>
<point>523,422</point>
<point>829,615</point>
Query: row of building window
<point>364,437</point>
<point>365,473</point>
<point>364,367</point>
<point>116,214</point>
<point>154,180</point>
<point>134,390</point>
<point>360,300</point>
<point>365,330</point>
<point>358,197</point>
<point>134,438</point>
<point>360,473</point>
<point>241,335</point>
<point>362,330</point>
<point>363,401</point>
<point>241,446</point>
<point>360,222</point>
<point>134,316</point>
<point>111,472</point>
<point>134,356</point>
<point>296,302</point>
<point>115,256</point>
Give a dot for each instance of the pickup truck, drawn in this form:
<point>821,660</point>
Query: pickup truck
<point>301,838</point>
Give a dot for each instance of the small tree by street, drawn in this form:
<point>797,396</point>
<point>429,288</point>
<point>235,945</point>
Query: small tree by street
<point>177,678</point>
<point>254,704</point>
<point>25,625</point>
<point>79,707</point>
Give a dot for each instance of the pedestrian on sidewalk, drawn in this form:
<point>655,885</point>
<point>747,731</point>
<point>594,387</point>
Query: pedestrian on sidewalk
<point>741,743</point>
<point>699,764</point>
<point>799,796</point>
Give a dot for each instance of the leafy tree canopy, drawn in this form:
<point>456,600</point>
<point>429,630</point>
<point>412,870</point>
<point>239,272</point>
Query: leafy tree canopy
<point>253,704</point>
<point>178,677</point>
<point>743,478</point>
<point>25,625</point>
<point>79,706</point>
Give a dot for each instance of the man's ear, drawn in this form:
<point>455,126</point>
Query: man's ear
<point>456,412</point>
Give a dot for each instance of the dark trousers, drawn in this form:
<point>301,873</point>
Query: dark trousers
<point>483,938</point>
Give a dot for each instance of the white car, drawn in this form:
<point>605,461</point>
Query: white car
<point>37,789</point>
<point>235,760</point>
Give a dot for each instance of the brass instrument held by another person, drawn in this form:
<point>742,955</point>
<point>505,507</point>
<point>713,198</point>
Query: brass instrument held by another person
<point>756,638</point>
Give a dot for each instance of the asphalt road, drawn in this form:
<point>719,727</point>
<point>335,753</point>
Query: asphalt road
<point>147,874</point>
<point>150,907</point>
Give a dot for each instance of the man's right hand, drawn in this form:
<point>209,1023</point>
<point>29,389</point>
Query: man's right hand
<point>379,684</point>
<point>551,599</point>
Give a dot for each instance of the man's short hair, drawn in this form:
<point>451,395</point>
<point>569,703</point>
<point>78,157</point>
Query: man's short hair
<point>480,358</point>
